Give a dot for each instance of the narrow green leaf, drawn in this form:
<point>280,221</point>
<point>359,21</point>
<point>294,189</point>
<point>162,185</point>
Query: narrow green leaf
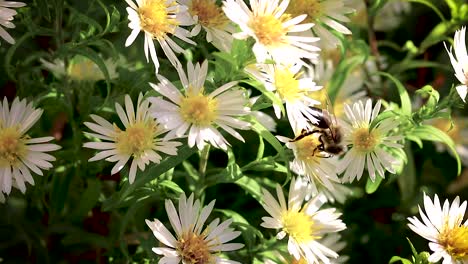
<point>438,34</point>
<point>371,186</point>
<point>270,138</point>
<point>261,148</point>
<point>88,200</point>
<point>404,97</point>
<point>265,164</point>
<point>397,258</point>
<point>59,192</point>
<point>430,133</point>
<point>407,179</point>
<point>251,186</point>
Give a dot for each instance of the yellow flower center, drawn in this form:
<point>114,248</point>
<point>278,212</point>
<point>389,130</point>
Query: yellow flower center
<point>287,84</point>
<point>307,146</point>
<point>12,146</point>
<point>136,139</point>
<point>193,249</point>
<point>209,14</point>
<point>299,226</point>
<point>83,70</point>
<point>269,30</point>
<point>365,140</point>
<point>156,19</point>
<point>198,109</point>
<point>300,261</point>
<point>455,241</point>
<point>309,7</point>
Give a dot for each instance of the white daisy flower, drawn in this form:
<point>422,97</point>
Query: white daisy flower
<point>305,225</point>
<point>158,19</point>
<point>289,84</point>
<point>307,162</point>
<point>443,226</point>
<point>19,153</point>
<point>370,142</point>
<point>81,68</point>
<point>192,243</point>
<point>460,63</point>
<point>197,112</point>
<point>327,15</point>
<point>6,17</point>
<point>139,140</point>
<point>209,16</point>
<point>275,33</point>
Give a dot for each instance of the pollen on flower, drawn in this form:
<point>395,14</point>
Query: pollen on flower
<point>155,18</point>
<point>193,249</point>
<point>307,147</point>
<point>455,241</point>
<point>136,139</point>
<point>198,109</point>
<point>299,226</point>
<point>364,140</point>
<point>269,30</point>
<point>309,7</point>
<point>287,84</point>
<point>209,14</point>
<point>12,146</point>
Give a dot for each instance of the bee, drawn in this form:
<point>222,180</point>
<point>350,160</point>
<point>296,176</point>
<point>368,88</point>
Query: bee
<point>328,132</point>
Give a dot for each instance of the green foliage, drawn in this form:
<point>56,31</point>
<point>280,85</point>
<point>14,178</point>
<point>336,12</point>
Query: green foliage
<point>77,212</point>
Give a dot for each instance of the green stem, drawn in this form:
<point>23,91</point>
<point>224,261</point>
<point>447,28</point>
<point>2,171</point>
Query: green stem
<point>204,154</point>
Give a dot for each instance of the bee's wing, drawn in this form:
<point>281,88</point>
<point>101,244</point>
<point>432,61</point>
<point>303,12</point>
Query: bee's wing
<point>329,115</point>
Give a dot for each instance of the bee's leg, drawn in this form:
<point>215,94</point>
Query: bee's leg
<point>304,133</point>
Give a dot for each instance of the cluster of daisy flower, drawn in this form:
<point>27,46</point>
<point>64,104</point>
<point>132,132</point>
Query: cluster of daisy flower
<point>333,142</point>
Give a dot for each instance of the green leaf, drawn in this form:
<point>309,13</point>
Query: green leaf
<point>403,260</point>
<point>404,97</point>
<point>415,139</point>
<point>88,200</point>
<point>112,19</point>
<point>371,186</point>
<point>416,64</point>
<point>261,147</point>
<point>407,179</point>
<point>153,171</point>
<point>438,34</point>
<point>430,133</point>
<point>59,192</point>
<point>251,186</point>
<point>265,164</point>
